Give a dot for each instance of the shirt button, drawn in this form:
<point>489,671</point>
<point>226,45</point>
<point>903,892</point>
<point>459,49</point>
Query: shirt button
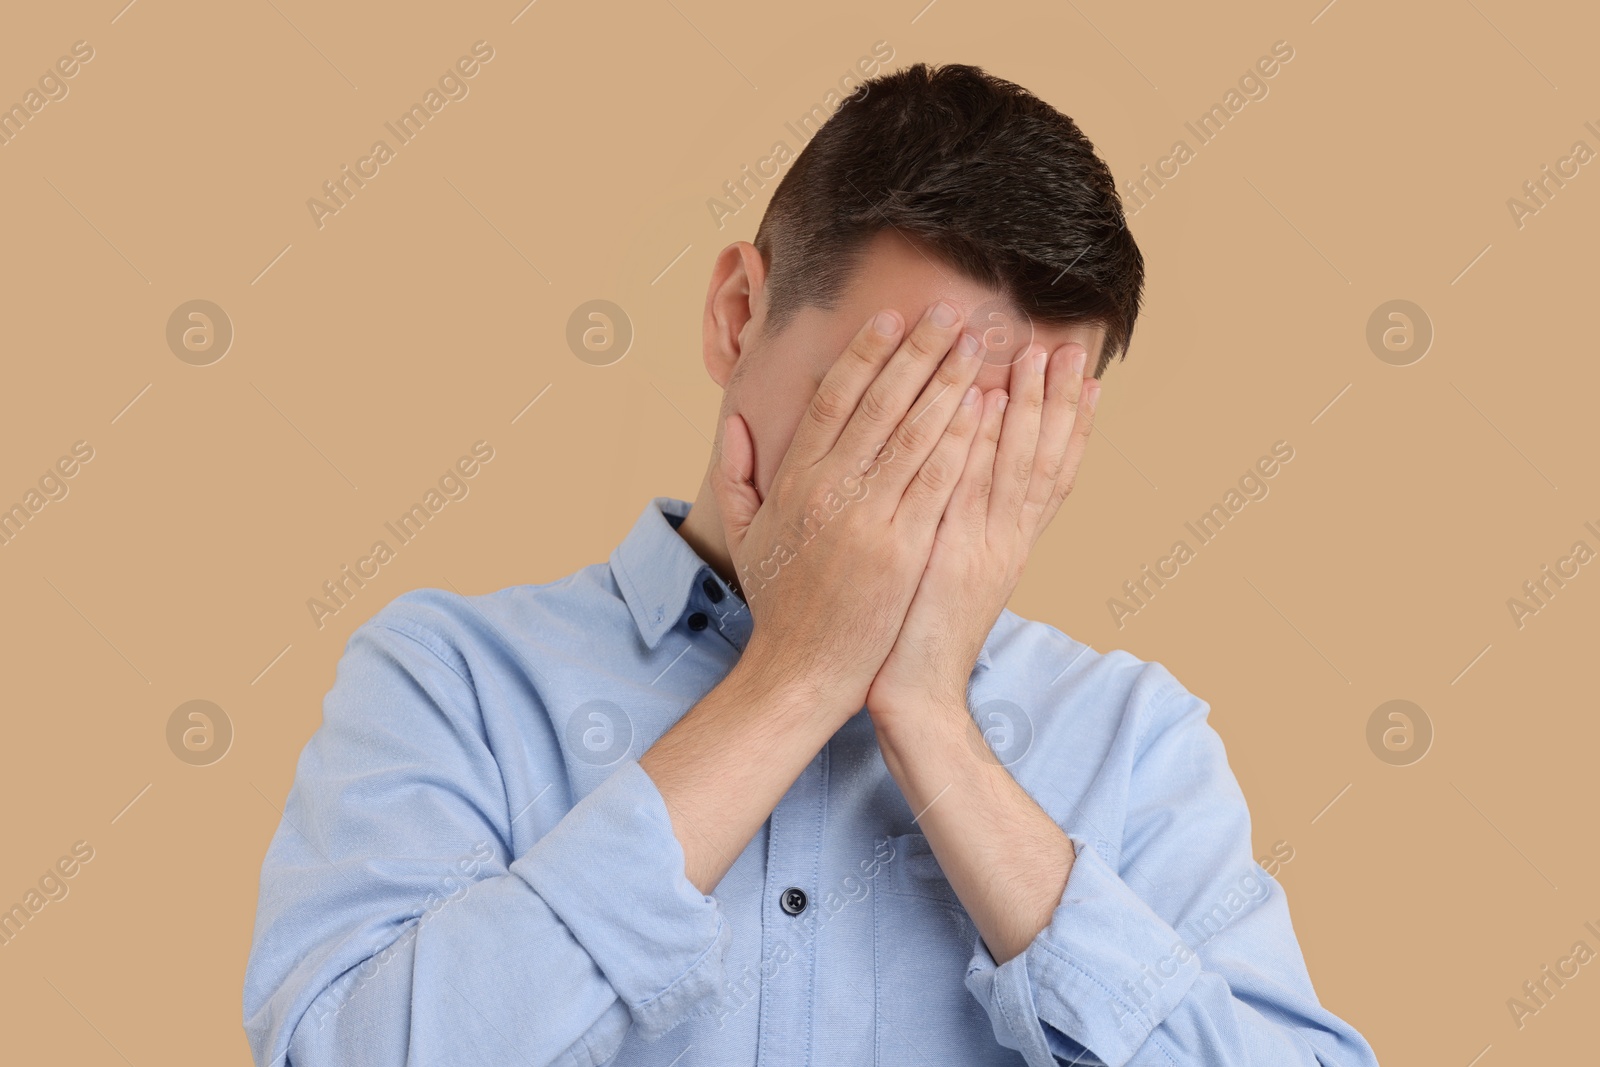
<point>713,591</point>
<point>698,621</point>
<point>793,900</point>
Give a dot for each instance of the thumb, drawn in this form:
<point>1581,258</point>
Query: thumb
<point>732,481</point>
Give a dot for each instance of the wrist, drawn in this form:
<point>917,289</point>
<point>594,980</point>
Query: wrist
<point>891,701</point>
<point>792,687</point>
<point>906,724</point>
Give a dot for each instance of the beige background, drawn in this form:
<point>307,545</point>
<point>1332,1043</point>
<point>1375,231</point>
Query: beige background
<point>432,310</point>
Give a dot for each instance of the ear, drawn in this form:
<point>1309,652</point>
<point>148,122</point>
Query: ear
<point>732,300</point>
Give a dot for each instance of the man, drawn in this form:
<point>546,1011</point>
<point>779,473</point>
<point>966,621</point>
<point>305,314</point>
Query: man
<point>782,782</point>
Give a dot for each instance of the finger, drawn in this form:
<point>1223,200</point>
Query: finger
<point>840,390</point>
<point>969,504</point>
<point>1081,428</point>
<point>922,428</point>
<point>1063,386</point>
<point>732,481</point>
<point>1019,436</point>
<point>885,402</point>
<point>924,500</point>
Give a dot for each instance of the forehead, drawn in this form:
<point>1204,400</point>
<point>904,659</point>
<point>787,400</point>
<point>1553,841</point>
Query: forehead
<point>894,271</point>
<point>900,272</point>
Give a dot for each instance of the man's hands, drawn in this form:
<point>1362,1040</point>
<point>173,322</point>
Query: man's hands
<point>829,563</point>
<point>901,517</point>
<point>1021,467</point>
<point>830,560</point>
<point>851,593</point>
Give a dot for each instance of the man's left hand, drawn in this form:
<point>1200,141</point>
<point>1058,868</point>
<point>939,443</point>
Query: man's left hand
<point>1021,466</point>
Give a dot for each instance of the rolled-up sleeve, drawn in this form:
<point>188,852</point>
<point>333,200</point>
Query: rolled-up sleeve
<point>613,872</point>
<point>394,927</point>
<point>1198,965</point>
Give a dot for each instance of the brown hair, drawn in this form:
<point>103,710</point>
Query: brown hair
<point>1003,186</point>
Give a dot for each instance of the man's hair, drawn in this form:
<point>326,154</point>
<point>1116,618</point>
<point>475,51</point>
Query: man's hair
<point>1000,184</point>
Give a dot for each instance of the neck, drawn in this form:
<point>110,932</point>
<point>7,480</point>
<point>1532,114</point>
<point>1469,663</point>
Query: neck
<point>702,529</point>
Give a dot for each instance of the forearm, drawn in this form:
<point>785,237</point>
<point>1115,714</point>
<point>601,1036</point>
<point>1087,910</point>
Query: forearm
<point>387,905</point>
<point>1004,856</point>
<point>725,765</point>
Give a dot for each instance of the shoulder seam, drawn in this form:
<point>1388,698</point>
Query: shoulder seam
<point>1167,698</point>
<point>426,640</point>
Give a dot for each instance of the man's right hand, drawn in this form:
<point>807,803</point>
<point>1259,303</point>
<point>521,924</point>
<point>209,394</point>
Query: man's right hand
<point>830,560</point>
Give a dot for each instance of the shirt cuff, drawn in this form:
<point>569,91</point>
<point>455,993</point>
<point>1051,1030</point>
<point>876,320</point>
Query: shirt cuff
<point>613,871</point>
<point>1104,972</point>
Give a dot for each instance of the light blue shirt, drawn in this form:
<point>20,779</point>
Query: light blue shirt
<point>472,867</point>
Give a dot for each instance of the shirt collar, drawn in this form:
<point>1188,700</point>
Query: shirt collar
<point>656,570</point>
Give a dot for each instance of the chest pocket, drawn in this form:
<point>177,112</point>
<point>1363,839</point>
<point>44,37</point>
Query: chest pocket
<point>923,939</point>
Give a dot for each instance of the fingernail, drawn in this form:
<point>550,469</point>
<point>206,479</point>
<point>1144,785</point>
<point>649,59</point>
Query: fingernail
<point>1079,358</point>
<point>1004,397</point>
<point>886,323</point>
<point>971,396</point>
<point>944,314</point>
<point>1091,389</point>
<point>968,345</point>
<point>1040,358</point>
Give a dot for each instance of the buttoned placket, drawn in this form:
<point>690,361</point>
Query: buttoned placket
<point>723,611</point>
<point>789,906</point>
<point>789,917</point>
